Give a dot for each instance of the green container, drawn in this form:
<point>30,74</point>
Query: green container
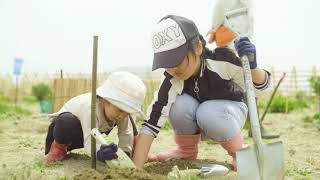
<point>45,106</point>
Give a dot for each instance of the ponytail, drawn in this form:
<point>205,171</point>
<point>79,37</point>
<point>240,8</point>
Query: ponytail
<point>206,51</point>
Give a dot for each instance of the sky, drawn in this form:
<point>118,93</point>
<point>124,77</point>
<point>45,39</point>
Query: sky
<point>50,35</point>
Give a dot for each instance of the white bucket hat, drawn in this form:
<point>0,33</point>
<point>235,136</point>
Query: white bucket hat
<point>124,90</point>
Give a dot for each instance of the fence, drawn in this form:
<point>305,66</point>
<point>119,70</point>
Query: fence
<point>65,89</point>
<point>65,86</point>
<point>295,81</point>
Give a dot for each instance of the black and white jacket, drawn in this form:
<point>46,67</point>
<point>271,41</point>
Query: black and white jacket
<point>221,77</point>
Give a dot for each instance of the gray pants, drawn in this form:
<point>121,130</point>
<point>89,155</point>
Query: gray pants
<point>220,120</point>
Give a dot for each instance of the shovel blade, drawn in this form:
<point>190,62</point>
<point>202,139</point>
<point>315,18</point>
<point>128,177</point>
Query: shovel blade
<point>273,166</point>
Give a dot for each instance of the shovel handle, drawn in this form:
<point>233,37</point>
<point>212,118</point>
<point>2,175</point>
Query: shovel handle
<point>253,113</point>
<point>250,95</point>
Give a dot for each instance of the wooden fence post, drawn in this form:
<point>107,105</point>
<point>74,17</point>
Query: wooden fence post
<point>294,78</point>
<point>314,70</point>
<point>61,74</point>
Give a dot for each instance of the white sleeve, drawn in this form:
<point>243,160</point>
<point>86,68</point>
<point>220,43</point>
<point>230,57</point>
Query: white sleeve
<point>158,110</point>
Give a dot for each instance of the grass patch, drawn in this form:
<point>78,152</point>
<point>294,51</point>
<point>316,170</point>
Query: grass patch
<point>8,109</point>
<point>33,170</point>
<point>210,141</point>
<point>54,164</point>
<point>29,99</point>
<point>283,104</point>
<point>312,118</point>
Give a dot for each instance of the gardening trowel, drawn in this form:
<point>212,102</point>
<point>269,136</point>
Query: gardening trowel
<point>213,170</point>
<point>205,171</point>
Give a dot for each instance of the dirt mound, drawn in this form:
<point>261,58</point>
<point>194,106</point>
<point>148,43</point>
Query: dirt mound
<point>165,167</point>
<point>153,170</point>
<point>114,173</point>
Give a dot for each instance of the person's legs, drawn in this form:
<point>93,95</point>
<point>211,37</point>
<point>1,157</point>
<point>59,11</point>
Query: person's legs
<point>187,137</point>
<point>223,120</point>
<point>64,134</point>
<point>182,115</point>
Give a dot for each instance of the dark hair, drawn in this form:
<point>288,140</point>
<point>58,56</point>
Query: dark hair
<point>206,51</point>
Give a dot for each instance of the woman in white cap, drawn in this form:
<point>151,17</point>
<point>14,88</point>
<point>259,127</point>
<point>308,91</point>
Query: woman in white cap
<point>202,92</point>
<point>118,99</point>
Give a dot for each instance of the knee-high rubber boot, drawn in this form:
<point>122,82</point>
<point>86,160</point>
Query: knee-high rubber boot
<point>187,148</point>
<point>57,152</point>
<point>232,146</point>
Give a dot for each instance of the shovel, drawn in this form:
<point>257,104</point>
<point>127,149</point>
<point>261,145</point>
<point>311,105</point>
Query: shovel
<point>260,161</point>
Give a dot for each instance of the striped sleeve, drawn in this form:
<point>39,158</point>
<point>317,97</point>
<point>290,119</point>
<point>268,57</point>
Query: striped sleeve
<point>236,74</point>
<point>159,108</point>
<point>264,85</point>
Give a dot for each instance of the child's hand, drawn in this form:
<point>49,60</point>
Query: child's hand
<point>210,36</point>
<point>107,152</point>
<point>222,36</point>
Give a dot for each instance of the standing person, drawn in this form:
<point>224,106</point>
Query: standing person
<point>201,91</point>
<point>118,99</point>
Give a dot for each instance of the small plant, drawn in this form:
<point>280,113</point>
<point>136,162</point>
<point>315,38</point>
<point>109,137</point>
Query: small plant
<point>41,91</point>
<point>188,174</point>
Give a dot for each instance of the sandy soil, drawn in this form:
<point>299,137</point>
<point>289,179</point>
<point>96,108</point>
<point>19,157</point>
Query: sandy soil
<point>22,152</point>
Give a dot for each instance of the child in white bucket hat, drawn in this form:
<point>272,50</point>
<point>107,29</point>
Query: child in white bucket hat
<point>119,99</point>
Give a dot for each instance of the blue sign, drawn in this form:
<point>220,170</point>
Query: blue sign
<point>17,66</point>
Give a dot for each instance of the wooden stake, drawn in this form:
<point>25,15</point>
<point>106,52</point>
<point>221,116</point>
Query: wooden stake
<point>93,100</point>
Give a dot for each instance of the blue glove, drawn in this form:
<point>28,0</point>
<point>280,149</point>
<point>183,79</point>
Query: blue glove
<point>107,152</point>
<point>245,47</point>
